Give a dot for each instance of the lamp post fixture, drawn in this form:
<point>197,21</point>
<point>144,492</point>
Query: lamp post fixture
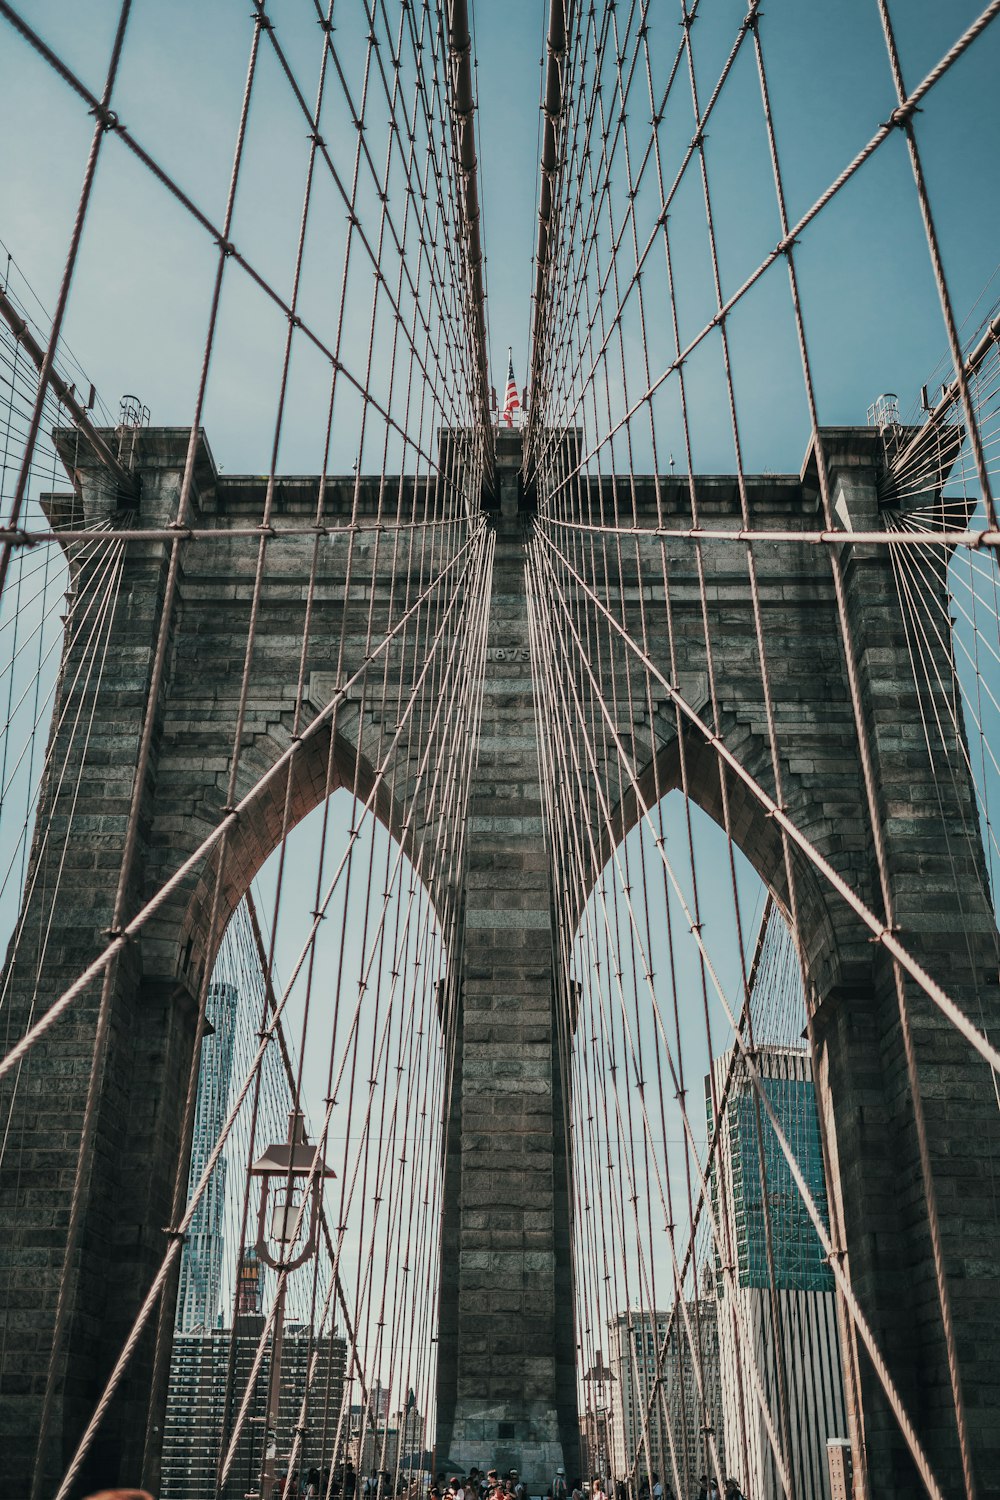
<point>292,1176</point>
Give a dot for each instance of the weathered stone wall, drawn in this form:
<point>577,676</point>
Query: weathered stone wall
<point>930,831</point>
<point>137,1147</point>
<point>507,1388</point>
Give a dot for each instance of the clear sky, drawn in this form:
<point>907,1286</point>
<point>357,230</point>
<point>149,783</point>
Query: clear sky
<point>137,314</point>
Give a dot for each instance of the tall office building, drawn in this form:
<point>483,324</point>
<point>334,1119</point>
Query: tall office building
<point>596,1417</point>
<point>209,1372</point>
<point>379,1398</point>
<point>248,1283</point>
<point>377,1445</point>
<point>201,1261</point>
<point>659,1422</point>
<point>410,1424</point>
<point>697,1420</point>
<point>790,1338</point>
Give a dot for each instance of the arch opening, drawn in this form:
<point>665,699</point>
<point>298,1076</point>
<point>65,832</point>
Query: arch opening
<point>362,1050</point>
<point>326,760</point>
<point>710,1340</point>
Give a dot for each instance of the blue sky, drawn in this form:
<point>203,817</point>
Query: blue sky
<point>138,310</point>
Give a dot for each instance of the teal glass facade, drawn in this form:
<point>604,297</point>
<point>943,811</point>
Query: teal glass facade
<point>798,1254</point>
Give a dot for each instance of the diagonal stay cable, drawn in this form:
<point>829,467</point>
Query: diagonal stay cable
<point>834,1256</point>
<point>110,123</point>
<point>989,14</point>
<point>179,1231</point>
<point>880,933</point>
<point>228,822</point>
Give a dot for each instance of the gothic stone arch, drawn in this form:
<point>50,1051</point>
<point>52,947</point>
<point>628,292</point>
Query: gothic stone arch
<point>507,1341</point>
<point>939,888</point>
<point>127,1198</point>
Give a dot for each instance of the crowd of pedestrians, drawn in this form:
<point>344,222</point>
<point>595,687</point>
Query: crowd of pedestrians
<point>478,1484</point>
<point>651,1487</point>
<point>708,1489</point>
<point>488,1484</point>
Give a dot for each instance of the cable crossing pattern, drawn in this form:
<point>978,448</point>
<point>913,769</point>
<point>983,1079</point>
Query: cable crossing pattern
<point>501,950</point>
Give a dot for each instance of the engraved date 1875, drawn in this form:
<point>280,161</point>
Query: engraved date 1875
<point>508,653</point>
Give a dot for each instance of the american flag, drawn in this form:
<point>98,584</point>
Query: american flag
<point>510,401</point>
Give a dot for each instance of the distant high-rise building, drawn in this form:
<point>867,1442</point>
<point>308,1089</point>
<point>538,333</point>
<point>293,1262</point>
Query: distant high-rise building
<point>787,1338</point>
<point>209,1371</point>
<point>410,1424</point>
<point>379,1396</point>
<point>596,1440</point>
<point>377,1445</point>
<point>596,1418</point>
<point>696,1419</point>
<point>659,1422</point>
<point>248,1284</point>
<point>201,1262</point>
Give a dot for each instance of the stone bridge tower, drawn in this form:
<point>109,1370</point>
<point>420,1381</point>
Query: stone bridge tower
<point>507,1367</point>
<point>507,1354</point>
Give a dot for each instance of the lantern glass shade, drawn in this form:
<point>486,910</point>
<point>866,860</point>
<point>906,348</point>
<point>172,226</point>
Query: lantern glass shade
<point>287,1222</point>
<point>297,1171</point>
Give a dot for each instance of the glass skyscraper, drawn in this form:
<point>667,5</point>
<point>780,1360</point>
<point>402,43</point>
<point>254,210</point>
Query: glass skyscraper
<point>785,1339</point>
<point>798,1255</point>
<point>201,1262</point>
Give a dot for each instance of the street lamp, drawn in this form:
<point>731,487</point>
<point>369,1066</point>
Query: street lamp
<point>292,1176</point>
<point>297,1210</point>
